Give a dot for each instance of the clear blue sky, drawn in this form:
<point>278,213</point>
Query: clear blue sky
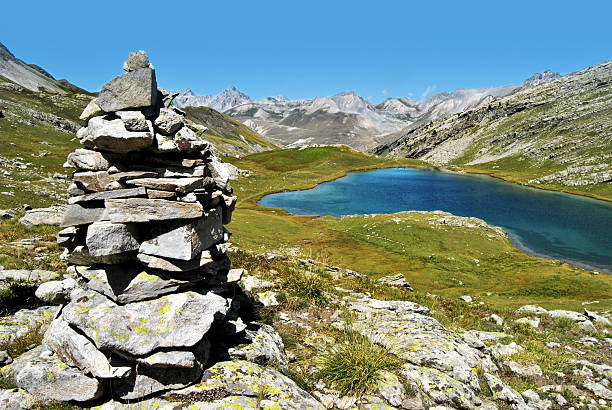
<point>377,48</point>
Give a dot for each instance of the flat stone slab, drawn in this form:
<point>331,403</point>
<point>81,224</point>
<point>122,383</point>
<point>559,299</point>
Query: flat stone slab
<point>81,256</point>
<point>99,181</point>
<point>44,216</point>
<point>205,263</point>
<point>101,196</point>
<point>182,185</point>
<point>130,283</point>
<point>77,214</point>
<point>146,210</point>
<point>177,320</point>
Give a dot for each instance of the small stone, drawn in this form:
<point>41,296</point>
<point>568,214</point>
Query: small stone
<point>531,309</point>
<point>397,280</point>
<point>56,292</point>
<point>92,110</point>
<point>466,298</point>
<point>235,275</point>
<point>168,122</point>
<point>531,321</point>
<point>526,370</point>
<point>88,160</point>
<point>137,60</point>
<point>80,256</point>
<point>498,320</point>
<point>5,358</point>
<point>267,298</point>
<point>205,263</point>
<point>133,120</point>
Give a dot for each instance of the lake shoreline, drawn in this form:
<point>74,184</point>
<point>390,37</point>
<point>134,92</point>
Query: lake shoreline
<point>587,266</point>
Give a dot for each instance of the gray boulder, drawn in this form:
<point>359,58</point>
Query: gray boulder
<point>112,135</point>
<point>44,216</point>
<point>133,120</point>
<point>134,89</point>
<point>185,140</point>
<point>88,160</point>
<point>503,392</point>
<point>184,240</point>
<point>56,292</point>
<point>107,238</point>
<point>46,377</point>
<point>136,60</point>
<point>168,122</point>
<point>177,320</point>
<point>76,350</point>
<point>265,346</point>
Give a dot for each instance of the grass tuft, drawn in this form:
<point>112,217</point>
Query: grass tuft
<point>353,366</point>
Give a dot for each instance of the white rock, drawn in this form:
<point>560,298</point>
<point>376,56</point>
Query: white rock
<point>56,292</point>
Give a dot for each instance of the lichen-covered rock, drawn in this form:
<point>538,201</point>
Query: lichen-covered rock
<point>418,338</point>
<point>248,380</point>
<point>46,377</point>
<point>133,120</point>
<point>176,320</point>
<point>525,370</point>
<point>35,276</point>
<point>439,388</point>
<point>396,280</point>
<point>16,399</point>
<point>78,351</point>
<point>24,321</point>
<point>130,283</point>
<point>503,392</point>
<point>264,346</point>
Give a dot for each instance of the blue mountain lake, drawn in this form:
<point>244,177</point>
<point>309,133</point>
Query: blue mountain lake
<point>570,228</point>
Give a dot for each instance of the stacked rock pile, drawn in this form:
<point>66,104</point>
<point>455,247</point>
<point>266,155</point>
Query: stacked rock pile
<point>144,236</point>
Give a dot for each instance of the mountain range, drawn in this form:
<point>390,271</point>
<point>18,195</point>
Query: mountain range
<point>547,133</point>
<point>346,118</point>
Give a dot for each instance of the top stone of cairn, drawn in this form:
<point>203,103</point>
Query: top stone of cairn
<point>136,60</point>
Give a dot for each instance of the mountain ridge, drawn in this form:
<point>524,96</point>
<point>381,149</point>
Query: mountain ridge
<point>346,117</point>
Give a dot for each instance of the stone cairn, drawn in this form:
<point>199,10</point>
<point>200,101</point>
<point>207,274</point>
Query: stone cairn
<point>144,236</point>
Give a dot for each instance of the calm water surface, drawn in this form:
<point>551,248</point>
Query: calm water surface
<point>560,226</point>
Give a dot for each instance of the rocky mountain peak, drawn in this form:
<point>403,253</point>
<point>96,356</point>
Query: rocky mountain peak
<point>541,78</point>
